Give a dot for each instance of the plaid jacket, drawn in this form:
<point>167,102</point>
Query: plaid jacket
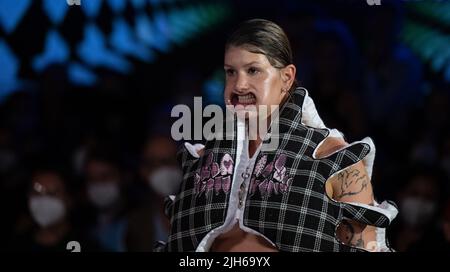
<point>286,200</point>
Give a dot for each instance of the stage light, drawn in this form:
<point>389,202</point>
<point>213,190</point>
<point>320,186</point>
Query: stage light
<point>10,68</point>
<point>91,8</point>
<point>56,50</point>
<point>55,9</point>
<point>11,12</point>
<point>92,50</point>
<point>124,41</point>
<point>80,75</point>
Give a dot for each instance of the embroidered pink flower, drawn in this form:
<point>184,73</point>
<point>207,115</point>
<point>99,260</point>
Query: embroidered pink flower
<point>210,185</point>
<point>213,178</point>
<point>267,170</point>
<point>280,170</point>
<point>197,181</point>
<point>270,178</point>
<point>260,165</point>
<point>202,186</point>
<point>263,186</point>
<point>226,184</point>
<point>285,184</point>
<point>270,188</point>
<point>276,187</point>
<point>214,169</point>
<point>226,165</point>
<point>205,173</point>
<point>217,184</point>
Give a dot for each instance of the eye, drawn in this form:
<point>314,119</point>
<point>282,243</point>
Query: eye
<point>229,72</point>
<point>253,70</point>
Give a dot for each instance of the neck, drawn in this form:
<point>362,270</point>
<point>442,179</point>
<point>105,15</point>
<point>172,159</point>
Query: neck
<point>253,146</point>
<point>255,143</point>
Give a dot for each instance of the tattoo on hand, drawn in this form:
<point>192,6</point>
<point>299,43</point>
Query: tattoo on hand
<point>352,182</point>
<point>359,242</point>
<point>349,231</point>
<point>352,238</point>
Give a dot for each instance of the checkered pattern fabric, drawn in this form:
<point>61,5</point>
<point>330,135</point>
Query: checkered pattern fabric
<point>286,202</point>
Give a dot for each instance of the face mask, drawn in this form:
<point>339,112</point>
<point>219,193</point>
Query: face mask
<point>416,211</point>
<point>165,180</point>
<point>46,210</point>
<point>103,194</point>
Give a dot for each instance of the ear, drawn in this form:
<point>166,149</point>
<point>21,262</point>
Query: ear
<point>288,76</point>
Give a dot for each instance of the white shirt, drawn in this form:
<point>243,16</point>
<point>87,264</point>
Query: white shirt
<point>239,187</point>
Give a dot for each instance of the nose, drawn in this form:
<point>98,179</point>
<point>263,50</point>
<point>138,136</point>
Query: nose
<point>241,84</point>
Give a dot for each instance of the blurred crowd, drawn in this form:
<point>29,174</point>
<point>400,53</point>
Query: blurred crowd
<point>87,164</point>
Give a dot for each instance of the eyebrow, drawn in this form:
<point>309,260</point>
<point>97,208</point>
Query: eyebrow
<point>248,64</point>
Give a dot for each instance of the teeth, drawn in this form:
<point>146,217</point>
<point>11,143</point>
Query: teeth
<point>247,99</point>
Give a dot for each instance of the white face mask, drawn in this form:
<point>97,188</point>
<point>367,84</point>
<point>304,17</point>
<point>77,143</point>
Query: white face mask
<point>103,194</point>
<point>416,211</point>
<point>46,210</point>
<point>166,180</point>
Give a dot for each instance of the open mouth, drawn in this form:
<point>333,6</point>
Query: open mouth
<point>247,99</point>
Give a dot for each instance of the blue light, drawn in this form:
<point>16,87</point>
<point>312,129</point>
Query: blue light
<point>213,92</point>
<point>447,73</point>
<point>138,4</point>
<point>213,88</point>
<point>11,12</point>
<point>92,50</point>
<point>91,7</point>
<point>183,24</point>
<point>117,5</point>
<point>123,40</point>
<point>149,34</point>
<point>154,2</point>
<point>81,75</point>
<point>55,51</point>
<point>55,9</point>
<point>441,57</point>
<point>178,25</point>
<point>192,15</point>
<point>10,67</point>
<point>162,25</point>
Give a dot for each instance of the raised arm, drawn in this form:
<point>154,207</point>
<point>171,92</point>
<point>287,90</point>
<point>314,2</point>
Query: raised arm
<point>350,185</point>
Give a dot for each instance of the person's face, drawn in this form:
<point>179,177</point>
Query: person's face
<point>48,184</point>
<point>101,172</point>
<point>251,80</point>
<point>422,187</point>
<point>418,202</point>
<point>103,184</point>
<point>157,153</point>
<point>47,199</point>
